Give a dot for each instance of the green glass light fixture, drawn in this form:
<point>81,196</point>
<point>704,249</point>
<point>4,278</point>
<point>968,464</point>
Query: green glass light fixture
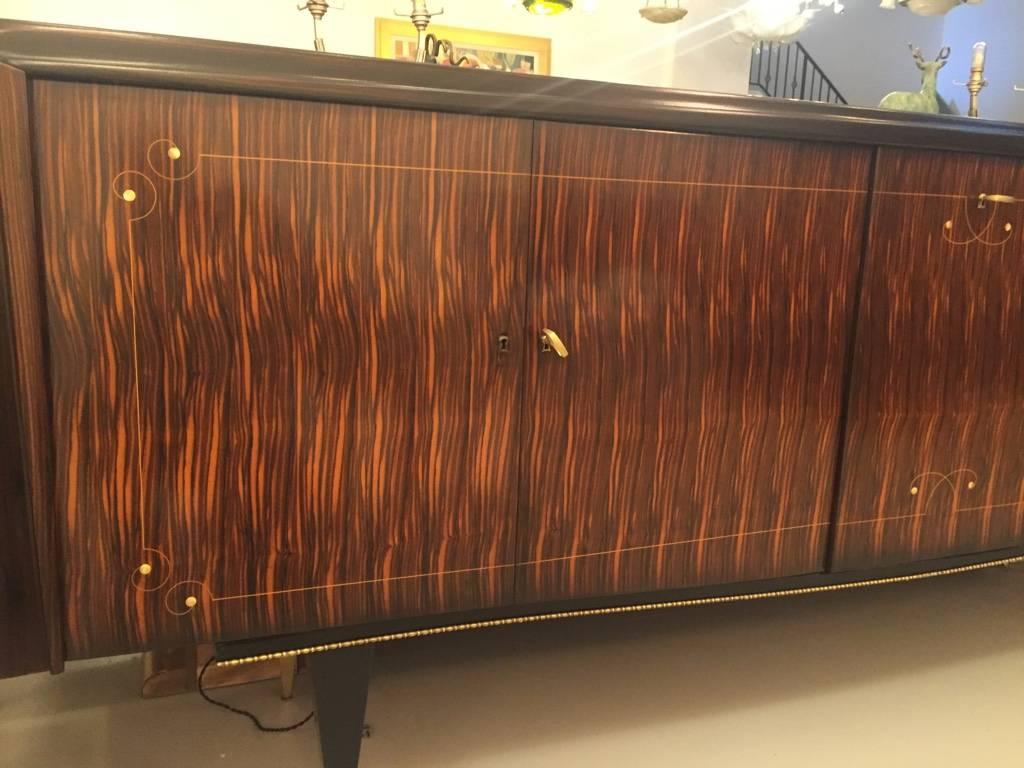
<point>547,7</point>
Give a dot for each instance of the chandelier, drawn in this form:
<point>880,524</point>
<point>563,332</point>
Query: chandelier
<point>777,20</point>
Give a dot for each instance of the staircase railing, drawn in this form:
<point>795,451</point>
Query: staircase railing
<point>787,71</point>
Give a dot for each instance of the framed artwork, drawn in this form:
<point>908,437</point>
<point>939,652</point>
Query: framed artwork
<point>396,39</point>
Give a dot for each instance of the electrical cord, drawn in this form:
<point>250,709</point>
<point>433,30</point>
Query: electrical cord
<point>250,715</point>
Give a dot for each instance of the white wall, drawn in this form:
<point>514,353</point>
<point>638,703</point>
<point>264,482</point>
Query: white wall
<point>864,49</point>
<point>610,43</point>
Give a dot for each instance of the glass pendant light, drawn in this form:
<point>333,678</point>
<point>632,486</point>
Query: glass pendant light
<point>663,13</point>
<point>547,7</point>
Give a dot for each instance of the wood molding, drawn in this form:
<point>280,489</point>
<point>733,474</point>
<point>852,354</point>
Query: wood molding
<point>56,52</point>
<point>26,411</point>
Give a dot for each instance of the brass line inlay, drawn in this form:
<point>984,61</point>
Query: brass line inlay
<point>366,166</point>
<point>870,520</point>
<point>712,184</point>
<point>527,174</point>
<point>452,572</point>
<point>541,561</point>
<point>582,613</point>
<point>138,398</point>
<point>990,506</point>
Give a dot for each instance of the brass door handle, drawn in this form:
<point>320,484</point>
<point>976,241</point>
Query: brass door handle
<point>549,341</point>
<point>1007,199</point>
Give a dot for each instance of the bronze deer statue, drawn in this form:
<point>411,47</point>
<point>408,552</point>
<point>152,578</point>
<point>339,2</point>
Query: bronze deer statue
<point>927,100</point>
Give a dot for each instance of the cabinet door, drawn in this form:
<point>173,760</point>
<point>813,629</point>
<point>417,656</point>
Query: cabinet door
<point>704,290</point>
<point>934,461</point>
<point>277,381</point>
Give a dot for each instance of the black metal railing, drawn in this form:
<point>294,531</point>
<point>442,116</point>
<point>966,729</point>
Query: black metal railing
<point>787,71</point>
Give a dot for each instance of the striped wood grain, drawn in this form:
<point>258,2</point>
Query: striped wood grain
<point>30,638</point>
<point>704,287</point>
<point>321,396</point>
<point>285,374</point>
<point>938,376</point>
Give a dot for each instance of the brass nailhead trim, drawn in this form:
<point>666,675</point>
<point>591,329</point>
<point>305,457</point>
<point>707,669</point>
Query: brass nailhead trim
<point>617,609</point>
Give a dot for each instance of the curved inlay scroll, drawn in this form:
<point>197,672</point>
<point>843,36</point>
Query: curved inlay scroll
<point>967,478</point>
<point>129,193</point>
<point>926,484</point>
<point>156,571</point>
<point>976,236</point>
<point>173,154</point>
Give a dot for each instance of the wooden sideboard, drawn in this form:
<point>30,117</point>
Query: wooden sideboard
<point>281,347</point>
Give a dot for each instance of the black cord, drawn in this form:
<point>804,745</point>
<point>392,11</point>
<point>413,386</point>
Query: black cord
<point>250,715</point>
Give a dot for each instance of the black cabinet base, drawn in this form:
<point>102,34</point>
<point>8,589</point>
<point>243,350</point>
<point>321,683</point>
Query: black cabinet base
<point>305,643</point>
<point>341,681</point>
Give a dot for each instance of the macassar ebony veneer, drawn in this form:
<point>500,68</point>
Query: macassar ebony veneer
<point>706,288</point>
<point>275,369</point>
<point>296,345</point>
<point>934,461</point>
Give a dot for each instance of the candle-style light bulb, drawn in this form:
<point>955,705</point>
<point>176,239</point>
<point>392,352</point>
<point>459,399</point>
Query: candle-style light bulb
<point>978,60</point>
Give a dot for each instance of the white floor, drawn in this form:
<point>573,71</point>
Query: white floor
<point>929,674</point>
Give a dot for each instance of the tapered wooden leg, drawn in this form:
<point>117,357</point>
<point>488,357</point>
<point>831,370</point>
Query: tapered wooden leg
<point>341,681</point>
<point>288,667</point>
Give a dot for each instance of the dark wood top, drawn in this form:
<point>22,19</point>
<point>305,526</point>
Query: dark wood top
<point>77,53</point>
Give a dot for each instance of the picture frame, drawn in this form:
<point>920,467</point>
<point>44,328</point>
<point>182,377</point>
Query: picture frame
<point>396,39</point>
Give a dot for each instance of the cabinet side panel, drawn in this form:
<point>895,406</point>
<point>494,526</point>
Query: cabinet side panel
<point>28,594</point>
